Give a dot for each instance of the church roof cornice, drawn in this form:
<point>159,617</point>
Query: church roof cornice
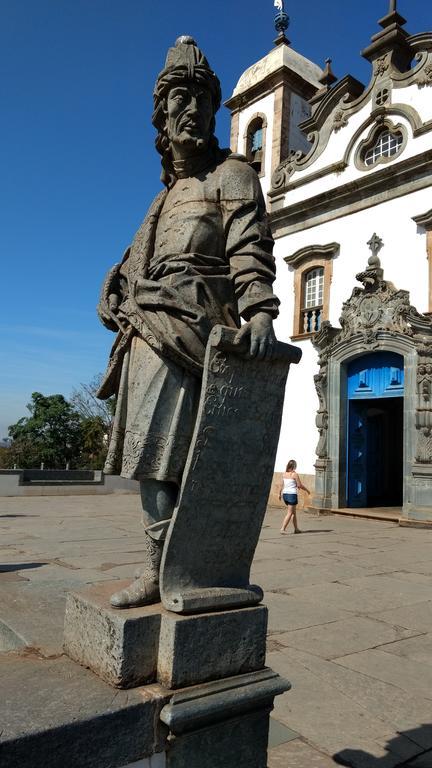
<point>327,251</point>
<point>424,220</point>
<point>386,183</point>
<point>345,90</point>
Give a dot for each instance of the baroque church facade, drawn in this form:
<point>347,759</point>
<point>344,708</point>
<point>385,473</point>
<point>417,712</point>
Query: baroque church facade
<point>346,170</point>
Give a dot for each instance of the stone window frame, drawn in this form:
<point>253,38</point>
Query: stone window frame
<point>424,220</point>
<point>302,262</point>
<point>369,142</point>
<point>247,133</point>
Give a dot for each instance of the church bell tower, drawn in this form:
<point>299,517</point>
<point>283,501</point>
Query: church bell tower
<point>269,102</point>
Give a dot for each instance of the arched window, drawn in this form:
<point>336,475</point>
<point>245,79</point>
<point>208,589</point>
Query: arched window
<point>313,268</point>
<point>313,297</point>
<point>255,143</point>
<point>384,142</point>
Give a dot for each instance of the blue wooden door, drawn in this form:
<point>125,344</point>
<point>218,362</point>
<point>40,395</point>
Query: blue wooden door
<point>371,380</point>
<point>357,455</point>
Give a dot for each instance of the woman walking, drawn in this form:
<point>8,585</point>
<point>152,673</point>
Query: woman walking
<point>291,483</point>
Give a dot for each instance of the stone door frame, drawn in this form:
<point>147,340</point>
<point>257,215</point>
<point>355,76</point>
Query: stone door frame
<point>331,472</point>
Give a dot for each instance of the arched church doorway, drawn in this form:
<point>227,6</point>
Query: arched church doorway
<point>375,389</point>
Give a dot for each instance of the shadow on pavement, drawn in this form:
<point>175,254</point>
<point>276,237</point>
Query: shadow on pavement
<point>9,567</point>
<point>3,516</point>
<point>420,737</point>
<point>323,530</point>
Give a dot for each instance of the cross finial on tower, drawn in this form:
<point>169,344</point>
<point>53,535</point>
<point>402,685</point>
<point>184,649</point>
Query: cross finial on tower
<point>281,22</point>
<point>375,244</point>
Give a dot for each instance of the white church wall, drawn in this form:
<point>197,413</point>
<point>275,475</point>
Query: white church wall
<point>404,260</point>
<point>299,436</point>
<point>418,98</point>
<point>263,106</point>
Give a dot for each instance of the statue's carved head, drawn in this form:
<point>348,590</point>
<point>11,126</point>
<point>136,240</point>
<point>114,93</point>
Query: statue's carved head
<point>187,96</point>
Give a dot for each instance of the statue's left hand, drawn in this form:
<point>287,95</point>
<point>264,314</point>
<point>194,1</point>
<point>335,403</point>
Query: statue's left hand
<point>260,334</point>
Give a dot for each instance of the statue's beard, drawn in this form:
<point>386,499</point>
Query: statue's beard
<point>191,144</point>
<point>196,141</point>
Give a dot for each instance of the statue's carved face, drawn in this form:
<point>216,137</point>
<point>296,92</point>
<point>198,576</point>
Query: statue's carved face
<point>189,116</point>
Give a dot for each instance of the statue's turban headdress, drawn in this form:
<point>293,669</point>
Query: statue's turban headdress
<point>184,63</point>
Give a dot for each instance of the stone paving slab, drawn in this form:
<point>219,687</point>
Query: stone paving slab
<point>291,613</point>
<point>298,754</point>
<point>400,711</point>
<point>340,638</point>
<point>326,718</point>
<point>412,676</point>
<point>424,761</point>
<point>417,616</point>
<point>417,648</point>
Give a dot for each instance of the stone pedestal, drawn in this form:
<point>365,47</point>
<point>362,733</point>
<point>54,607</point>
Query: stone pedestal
<point>131,647</point>
<point>222,724</point>
<point>194,649</point>
<point>220,716</point>
<point>121,647</point>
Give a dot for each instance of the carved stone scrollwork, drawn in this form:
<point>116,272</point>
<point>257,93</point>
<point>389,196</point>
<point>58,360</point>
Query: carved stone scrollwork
<point>321,419</point>
<point>376,308</point>
<point>285,170</point>
<point>424,410</point>
<point>425,78</point>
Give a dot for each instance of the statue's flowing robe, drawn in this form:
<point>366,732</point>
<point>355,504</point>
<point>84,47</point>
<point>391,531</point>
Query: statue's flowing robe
<point>202,256</point>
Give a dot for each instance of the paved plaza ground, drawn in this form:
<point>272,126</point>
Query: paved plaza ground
<point>350,623</point>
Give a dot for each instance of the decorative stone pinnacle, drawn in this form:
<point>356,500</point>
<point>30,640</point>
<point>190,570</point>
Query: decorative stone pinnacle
<point>375,244</point>
<point>328,77</point>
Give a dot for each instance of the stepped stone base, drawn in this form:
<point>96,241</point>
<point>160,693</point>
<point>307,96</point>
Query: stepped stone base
<point>131,647</point>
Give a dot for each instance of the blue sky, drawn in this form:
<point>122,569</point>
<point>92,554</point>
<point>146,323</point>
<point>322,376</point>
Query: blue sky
<point>78,166</point>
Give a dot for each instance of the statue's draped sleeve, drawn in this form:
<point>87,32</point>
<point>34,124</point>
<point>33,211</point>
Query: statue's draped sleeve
<point>249,243</point>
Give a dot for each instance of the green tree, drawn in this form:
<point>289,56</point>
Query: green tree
<point>85,402</point>
<point>52,434</point>
<point>6,457</point>
<point>94,442</point>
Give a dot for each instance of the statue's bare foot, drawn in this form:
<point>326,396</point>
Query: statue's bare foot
<point>140,592</point>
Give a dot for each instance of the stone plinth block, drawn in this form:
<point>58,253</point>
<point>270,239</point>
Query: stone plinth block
<point>222,724</point>
<point>119,646</point>
<point>195,649</point>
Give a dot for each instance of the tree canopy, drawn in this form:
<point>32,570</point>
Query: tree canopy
<point>57,433</point>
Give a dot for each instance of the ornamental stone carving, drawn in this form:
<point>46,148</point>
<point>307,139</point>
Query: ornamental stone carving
<point>285,170</point>
<point>424,409</point>
<point>425,78</point>
<point>381,66</point>
<point>340,120</point>
<point>321,419</point>
<point>375,312</point>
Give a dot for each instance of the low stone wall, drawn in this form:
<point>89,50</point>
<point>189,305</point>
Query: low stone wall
<point>49,482</point>
<point>40,482</point>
